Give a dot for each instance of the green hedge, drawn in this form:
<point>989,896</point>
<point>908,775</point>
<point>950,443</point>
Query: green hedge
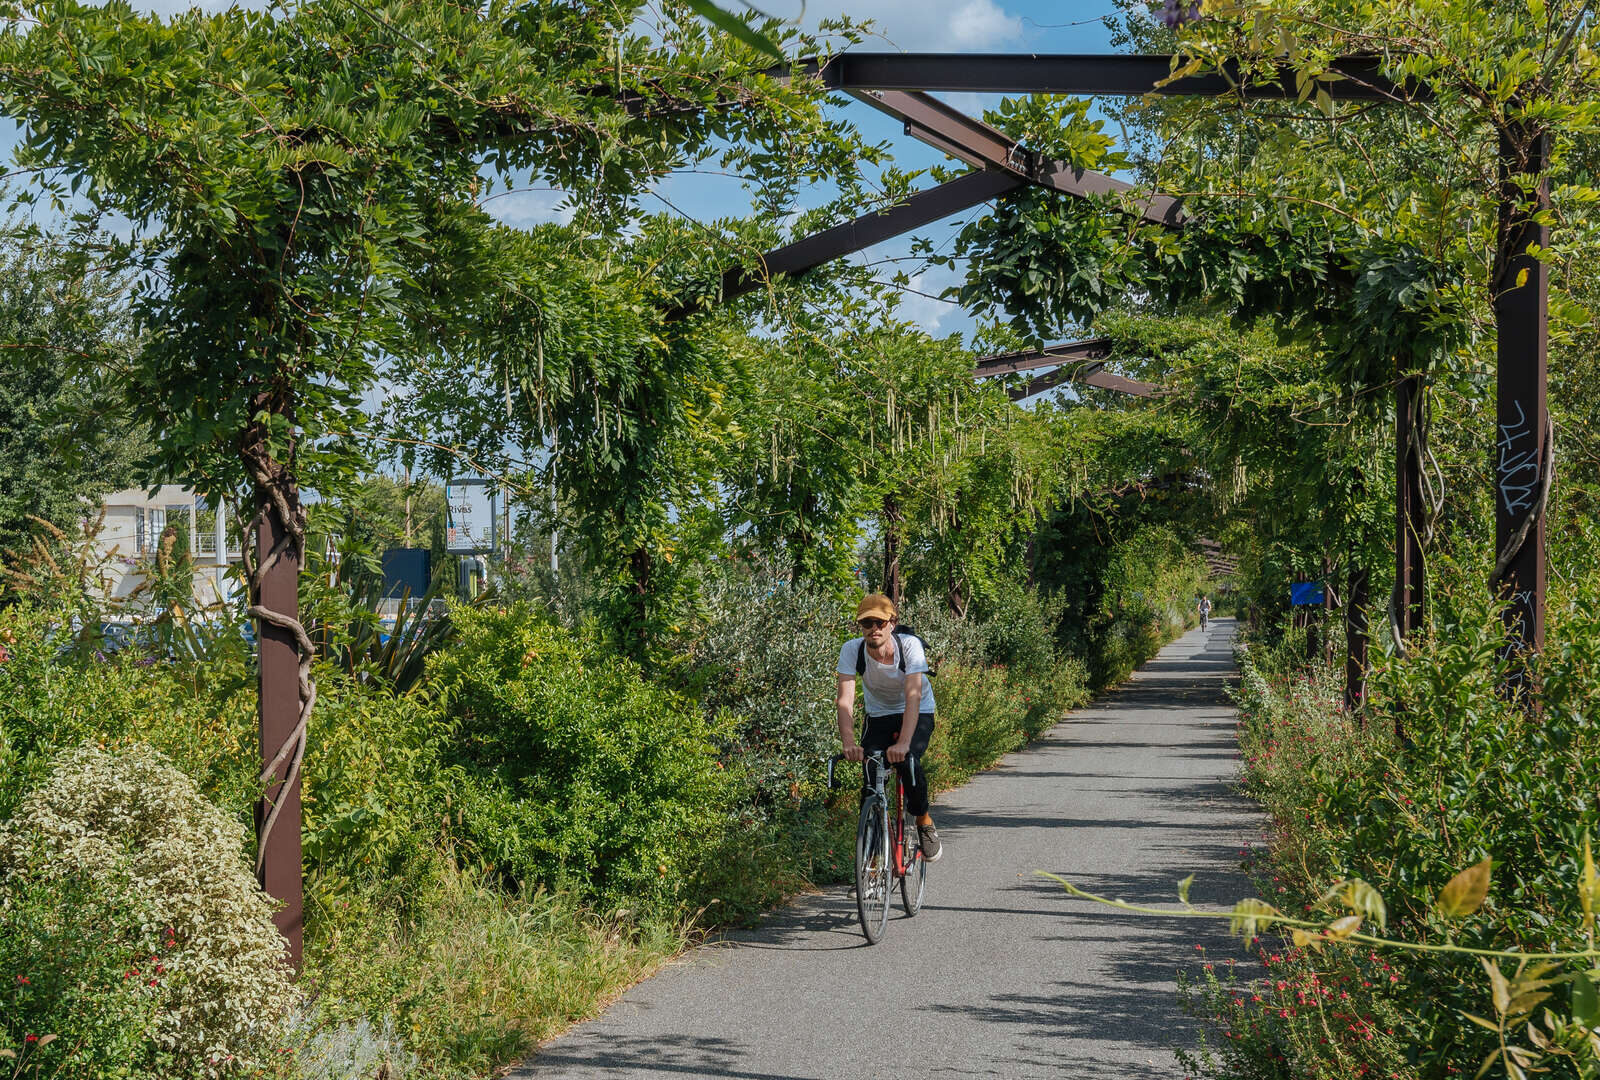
<point>576,772</point>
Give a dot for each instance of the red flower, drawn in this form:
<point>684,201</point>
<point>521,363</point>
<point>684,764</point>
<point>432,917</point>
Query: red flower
<point>23,981</point>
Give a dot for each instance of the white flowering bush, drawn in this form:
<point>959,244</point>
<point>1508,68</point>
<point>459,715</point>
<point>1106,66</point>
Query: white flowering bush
<point>136,827</point>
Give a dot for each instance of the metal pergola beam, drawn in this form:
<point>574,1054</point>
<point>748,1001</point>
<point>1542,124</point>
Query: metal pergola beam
<point>1355,78</point>
<point>1089,375</point>
<point>1522,456</point>
<point>1049,356</point>
<point>955,133</point>
<point>1074,361</point>
<point>922,208</point>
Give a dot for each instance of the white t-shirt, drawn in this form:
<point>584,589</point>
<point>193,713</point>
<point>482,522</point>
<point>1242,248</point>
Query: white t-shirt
<point>884,685</point>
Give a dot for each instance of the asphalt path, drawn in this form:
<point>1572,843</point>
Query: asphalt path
<point>1002,974</point>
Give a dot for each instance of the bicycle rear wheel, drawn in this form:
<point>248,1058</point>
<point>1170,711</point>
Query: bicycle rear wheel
<point>915,879</point>
<point>873,869</point>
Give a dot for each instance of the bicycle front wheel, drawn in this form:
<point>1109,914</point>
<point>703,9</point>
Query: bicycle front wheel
<point>873,869</point>
<point>915,879</point>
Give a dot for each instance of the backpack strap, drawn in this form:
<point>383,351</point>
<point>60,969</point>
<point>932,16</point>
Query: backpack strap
<point>861,654</point>
<point>861,651</point>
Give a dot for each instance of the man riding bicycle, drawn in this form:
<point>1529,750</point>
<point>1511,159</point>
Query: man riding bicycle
<point>1203,606</point>
<point>899,704</point>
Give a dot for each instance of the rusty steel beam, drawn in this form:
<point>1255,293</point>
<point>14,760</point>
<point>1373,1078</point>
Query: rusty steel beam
<point>1074,361</point>
<point>1410,513</point>
<point>1356,639</point>
<point>950,130</point>
<point>278,674</point>
<point>970,140</point>
<point>1522,461</point>
<point>1356,78</point>
<point>917,210</point>
<point>1088,375</point>
<point>1049,356</point>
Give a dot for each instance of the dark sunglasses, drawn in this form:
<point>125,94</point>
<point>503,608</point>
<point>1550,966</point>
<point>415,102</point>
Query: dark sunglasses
<point>871,624</point>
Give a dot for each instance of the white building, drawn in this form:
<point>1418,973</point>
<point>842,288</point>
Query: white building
<point>130,538</point>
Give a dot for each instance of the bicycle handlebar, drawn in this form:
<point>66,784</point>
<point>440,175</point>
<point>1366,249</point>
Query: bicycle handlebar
<point>879,756</point>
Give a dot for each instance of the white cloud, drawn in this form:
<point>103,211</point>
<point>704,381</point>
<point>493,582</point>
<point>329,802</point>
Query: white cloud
<point>934,25</point>
<point>920,305</point>
<point>168,8</point>
<point>537,206</point>
<point>981,24</point>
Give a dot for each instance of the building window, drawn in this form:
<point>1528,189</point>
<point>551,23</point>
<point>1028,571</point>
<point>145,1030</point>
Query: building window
<point>205,528</point>
<point>140,537</point>
<point>155,523</point>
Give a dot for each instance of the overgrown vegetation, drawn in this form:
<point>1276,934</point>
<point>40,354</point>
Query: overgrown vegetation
<point>537,799</point>
<point>537,823</point>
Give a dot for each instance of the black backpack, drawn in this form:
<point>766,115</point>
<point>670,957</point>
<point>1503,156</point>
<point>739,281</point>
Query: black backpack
<point>899,631</point>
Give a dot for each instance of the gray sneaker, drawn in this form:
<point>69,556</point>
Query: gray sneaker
<point>932,850</point>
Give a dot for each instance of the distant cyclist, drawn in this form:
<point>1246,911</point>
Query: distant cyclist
<point>899,699</point>
<point>1203,606</point>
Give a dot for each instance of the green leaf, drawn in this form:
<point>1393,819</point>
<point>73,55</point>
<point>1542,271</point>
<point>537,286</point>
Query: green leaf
<point>1183,889</point>
<point>1585,1000</point>
<point>1465,892</point>
<point>731,24</point>
<point>1359,897</point>
<point>1481,1022</point>
<point>1249,916</point>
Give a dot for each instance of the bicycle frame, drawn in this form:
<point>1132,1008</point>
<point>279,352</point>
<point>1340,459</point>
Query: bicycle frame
<point>878,802</point>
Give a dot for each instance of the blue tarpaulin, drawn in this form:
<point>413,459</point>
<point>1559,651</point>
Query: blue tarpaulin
<point>1306,593</point>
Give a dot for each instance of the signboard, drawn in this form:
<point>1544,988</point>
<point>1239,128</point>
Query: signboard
<point>469,516</point>
<point>1306,594</point>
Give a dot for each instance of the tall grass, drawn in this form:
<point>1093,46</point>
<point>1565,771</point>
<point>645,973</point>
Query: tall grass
<point>474,974</point>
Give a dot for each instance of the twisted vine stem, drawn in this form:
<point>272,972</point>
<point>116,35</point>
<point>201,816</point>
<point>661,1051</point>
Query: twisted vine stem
<point>1267,918</point>
<point>1432,495</point>
<point>273,503</point>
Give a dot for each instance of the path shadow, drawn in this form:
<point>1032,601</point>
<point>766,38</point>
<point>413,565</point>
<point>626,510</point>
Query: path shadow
<point>674,1054</point>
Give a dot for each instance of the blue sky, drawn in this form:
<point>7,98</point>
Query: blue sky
<point>1030,26</point>
<point>1037,26</point>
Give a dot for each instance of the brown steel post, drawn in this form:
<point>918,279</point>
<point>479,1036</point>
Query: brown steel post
<point>1355,634</point>
<point>280,714</point>
<point>1410,599</point>
<point>1522,463</point>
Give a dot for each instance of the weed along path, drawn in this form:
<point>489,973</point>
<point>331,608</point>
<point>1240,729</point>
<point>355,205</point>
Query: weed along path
<point>1002,974</point>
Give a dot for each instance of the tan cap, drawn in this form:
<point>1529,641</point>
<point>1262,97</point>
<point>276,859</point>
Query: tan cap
<point>875,606</point>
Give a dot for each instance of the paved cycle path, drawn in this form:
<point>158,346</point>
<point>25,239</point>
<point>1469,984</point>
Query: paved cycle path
<point>1002,974</point>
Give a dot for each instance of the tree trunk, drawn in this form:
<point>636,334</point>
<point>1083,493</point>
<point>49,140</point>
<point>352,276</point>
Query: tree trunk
<point>956,598</point>
<point>893,521</point>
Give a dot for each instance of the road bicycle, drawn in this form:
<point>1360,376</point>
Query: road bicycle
<point>887,846</point>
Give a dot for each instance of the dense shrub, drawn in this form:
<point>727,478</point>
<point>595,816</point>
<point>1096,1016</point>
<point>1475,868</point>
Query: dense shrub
<point>375,784</point>
<point>200,715</point>
<point>1019,628</point>
<point>68,943</point>
<point>1476,775</point>
<point>986,712</point>
<point>576,772</point>
<point>131,825</point>
<point>766,654</point>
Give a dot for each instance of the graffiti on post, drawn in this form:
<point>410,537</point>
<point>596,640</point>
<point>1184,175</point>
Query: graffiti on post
<point>1518,464</point>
